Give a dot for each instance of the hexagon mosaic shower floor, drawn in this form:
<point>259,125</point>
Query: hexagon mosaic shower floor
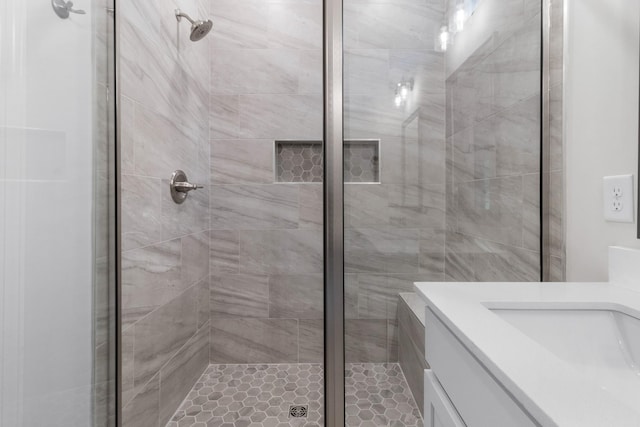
<point>262,395</point>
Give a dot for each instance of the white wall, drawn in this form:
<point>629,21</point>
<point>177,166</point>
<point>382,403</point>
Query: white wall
<point>601,125</point>
<point>45,216</point>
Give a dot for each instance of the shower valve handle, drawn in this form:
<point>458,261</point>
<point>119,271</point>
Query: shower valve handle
<point>180,186</point>
<point>63,8</point>
<point>185,187</point>
<point>72,10</point>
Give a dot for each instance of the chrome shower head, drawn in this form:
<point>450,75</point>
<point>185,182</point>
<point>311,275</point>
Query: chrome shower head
<point>199,29</point>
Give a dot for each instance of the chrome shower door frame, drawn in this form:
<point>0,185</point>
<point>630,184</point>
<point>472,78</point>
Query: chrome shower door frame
<point>334,336</point>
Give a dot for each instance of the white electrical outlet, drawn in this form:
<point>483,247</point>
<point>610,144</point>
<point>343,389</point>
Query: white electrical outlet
<point>618,198</point>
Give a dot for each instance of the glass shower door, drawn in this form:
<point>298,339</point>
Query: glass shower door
<point>441,176</point>
<point>57,215</point>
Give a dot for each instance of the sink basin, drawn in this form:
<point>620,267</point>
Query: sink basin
<point>603,345</point>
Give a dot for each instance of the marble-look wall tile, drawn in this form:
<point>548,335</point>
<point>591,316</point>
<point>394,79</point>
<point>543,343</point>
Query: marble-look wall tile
<point>280,116</point>
<point>432,250</point>
<point>491,209</point>
<point>412,160</point>
<point>281,252</point>
<point>151,277</point>
<point>311,214</point>
<point>144,409</point>
<point>239,295</point>
<point>371,115</point>
<point>255,71</point>
<point>391,25</point>
<point>460,258</point>
<point>296,297</point>
<point>203,298</point>
<point>179,375</point>
<point>556,42</point>
<point>224,251</point>
<point>378,294</point>
<point>162,333</point>
<point>498,263</point>
<point>254,207</point>
<point>311,341</point>
<point>128,346</point>
<point>195,258</point>
<point>351,295</point>
<point>155,76</point>
<point>515,66</point>
<point>241,161</point>
<point>245,340</point>
<point>239,24</point>
<point>156,145</point>
<point>366,341</point>
<point>127,135</point>
<point>416,206</point>
<point>388,250</point>
<point>141,211</point>
<point>166,246</point>
<point>224,119</point>
<point>557,267</point>
<point>505,144</point>
<point>517,133</point>
<point>310,72</point>
<point>366,70</point>
<point>295,25</point>
<point>470,259</point>
<point>366,205</point>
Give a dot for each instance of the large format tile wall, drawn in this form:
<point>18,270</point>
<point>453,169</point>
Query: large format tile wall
<point>266,237</point>
<point>165,246</point>
<point>266,240</point>
<point>493,153</point>
<point>394,231</point>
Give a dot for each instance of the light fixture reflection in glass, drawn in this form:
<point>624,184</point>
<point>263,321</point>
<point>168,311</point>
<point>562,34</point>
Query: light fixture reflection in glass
<point>460,18</point>
<point>398,100</point>
<point>443,39</point>
<point>402,92</point>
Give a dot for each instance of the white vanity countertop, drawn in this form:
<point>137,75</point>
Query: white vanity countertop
<point>553,391</point>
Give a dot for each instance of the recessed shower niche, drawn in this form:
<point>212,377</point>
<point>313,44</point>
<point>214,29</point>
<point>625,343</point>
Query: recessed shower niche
<point>301,161</point>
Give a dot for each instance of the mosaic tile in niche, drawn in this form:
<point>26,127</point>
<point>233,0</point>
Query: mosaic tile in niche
<point>301,161</point>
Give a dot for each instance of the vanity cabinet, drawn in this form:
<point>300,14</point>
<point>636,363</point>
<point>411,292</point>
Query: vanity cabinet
<point>459,391</point>
<point>438,410</point>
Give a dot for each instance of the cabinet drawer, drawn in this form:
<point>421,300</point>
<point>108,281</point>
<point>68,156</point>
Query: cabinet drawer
<point>438,409</point>
<point>479,399</point>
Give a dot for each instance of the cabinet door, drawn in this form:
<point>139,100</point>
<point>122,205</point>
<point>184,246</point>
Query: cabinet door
<point>438,409</point>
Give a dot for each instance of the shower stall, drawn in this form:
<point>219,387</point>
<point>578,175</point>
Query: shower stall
<point>285,171</point>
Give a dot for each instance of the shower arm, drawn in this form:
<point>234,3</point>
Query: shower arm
<point>180,14</point>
